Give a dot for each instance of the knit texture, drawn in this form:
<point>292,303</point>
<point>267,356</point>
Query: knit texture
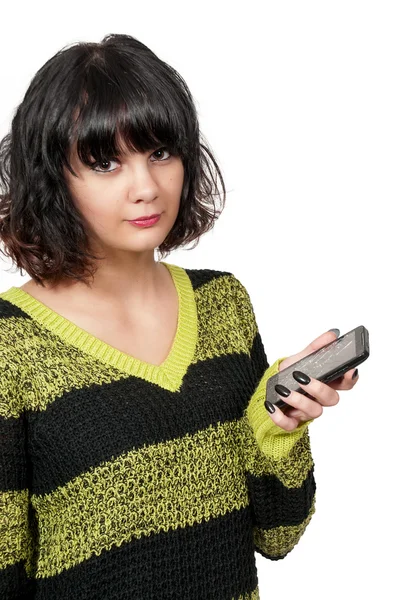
<point>125,480</point>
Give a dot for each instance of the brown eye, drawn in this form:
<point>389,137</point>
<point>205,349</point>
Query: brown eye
<point>162,150</point>
<point>102,164</point>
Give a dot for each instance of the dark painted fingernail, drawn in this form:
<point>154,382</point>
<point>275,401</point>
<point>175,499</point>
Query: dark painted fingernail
<point>355,374</point>
<point>270,407</point>
<point>301,377</point>
<point>282,390</point>
<point>336,331</point>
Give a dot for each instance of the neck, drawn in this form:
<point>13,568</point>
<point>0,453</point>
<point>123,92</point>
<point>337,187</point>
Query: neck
<point>125,290</point>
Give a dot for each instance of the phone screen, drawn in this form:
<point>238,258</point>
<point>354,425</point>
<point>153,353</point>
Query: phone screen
<point>319,364</point>
<point>332,356</point>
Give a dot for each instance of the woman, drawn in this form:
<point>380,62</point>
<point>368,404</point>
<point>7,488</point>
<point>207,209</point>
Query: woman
<point>138,459</point>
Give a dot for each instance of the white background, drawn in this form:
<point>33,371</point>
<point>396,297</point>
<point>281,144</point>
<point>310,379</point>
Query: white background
<point>299,102</point>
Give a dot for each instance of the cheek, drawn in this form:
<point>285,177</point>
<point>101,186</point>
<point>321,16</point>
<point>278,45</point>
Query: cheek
<point>177,179</point>
<point>94,206</point>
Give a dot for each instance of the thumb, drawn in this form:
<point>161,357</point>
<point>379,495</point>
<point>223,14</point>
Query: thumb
<point>316,344</point>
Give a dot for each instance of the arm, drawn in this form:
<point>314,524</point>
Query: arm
<point>278,464</point>
<point>16,536</point>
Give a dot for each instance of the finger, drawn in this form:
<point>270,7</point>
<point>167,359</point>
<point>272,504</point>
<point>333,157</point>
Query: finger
<point>295,412</point>
<point>309,408</point>
<point>323,393</point>
<point>280,419</point>
<point>345,382</point>
<point>319,342</point>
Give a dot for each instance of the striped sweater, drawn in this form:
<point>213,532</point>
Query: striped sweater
<point>120,479</point>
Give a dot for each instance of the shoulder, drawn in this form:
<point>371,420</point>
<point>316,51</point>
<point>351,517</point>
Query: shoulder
<point>10,317</point>
<point>224,293</point>
<point>223,285</point>
<point>14,355</point>
<point>215,277</point>
<point>213,284</point>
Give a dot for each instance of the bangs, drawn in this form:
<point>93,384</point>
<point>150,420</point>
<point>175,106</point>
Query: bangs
<point>122,112</point>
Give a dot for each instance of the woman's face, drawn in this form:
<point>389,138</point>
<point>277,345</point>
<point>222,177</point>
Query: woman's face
<point>113,192</point>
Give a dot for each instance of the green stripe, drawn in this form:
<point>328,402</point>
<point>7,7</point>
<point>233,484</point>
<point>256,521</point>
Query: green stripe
<point>105,507</point>
<point>277,542</point>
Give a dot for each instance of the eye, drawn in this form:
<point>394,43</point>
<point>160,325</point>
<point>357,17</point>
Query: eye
<point>105,161</point>
<point>162,150</point>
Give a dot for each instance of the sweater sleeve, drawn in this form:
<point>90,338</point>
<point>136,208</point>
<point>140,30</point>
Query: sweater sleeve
<point>278,464</point>
<point>16,530</point>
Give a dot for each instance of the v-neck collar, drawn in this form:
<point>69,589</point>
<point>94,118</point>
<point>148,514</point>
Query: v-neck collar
<point>173,369</point>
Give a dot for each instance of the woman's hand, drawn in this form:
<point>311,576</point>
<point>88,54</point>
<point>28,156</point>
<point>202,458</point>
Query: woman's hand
<point>301,408</point>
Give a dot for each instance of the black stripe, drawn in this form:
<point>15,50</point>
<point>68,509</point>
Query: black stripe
<point>13,452</point>
<point>84,428</point>
<point>273,504</point>
<point>14,585</point>
<point>258,357</point>
<point>199,277</point>
<point>8,310</point>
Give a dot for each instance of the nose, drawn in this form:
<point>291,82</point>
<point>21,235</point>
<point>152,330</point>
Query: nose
<point>142,184</point>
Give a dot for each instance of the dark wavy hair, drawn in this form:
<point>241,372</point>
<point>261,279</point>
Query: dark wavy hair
<point>95,94</point>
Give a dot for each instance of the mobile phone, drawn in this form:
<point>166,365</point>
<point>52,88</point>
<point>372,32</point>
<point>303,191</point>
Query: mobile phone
<point>326,364</point>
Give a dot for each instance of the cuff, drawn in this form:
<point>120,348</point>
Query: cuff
<point>273,441</point>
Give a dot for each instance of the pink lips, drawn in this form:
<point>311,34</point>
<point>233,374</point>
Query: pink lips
<point>145,222</point>
<point>146,218</point>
